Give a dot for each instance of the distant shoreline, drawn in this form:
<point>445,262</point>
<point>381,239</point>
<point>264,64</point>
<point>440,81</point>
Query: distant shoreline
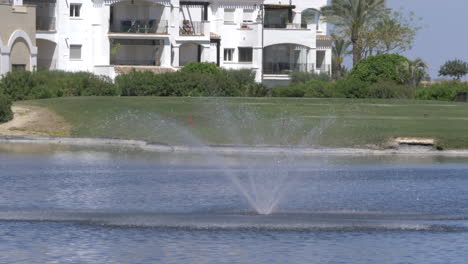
<point>223,149</point>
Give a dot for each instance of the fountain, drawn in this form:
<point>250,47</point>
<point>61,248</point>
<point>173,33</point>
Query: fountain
<point>263,188</point>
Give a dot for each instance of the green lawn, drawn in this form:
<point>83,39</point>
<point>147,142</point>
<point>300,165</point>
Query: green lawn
<point>269,121</point>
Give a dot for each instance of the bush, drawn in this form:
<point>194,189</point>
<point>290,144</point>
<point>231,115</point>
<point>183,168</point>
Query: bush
<point>383,67</point>
<point>302,77</point>
<point>389,89</point>
<point>319,89</point>
<point>351,88</point>
<point>180,83</point>
<point>201,67</point>
<point>23,85</point>
<point>289,91</point>
<point>444,91</point>
<point>242,76</point>
<point>5,109</point>
<point>255,90</point>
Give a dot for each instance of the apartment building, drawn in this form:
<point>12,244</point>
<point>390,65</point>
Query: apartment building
<point>107,37</point>
<point>18,49</point>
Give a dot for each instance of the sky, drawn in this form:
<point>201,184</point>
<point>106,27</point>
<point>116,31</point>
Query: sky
<point>444,35</point>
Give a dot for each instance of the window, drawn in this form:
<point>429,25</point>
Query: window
<point>75,52</point>
<point>18,67</point>
<point>248,15</point>
<point>245,54</point>
<point>228,54</point>
<point>229,15</point>
<point>75,10</point>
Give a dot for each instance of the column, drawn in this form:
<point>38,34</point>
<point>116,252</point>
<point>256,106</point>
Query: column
<point>166,54</point>
<point>176,51</point>
<point>205,52</point>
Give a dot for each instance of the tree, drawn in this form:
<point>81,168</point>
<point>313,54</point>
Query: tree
<point>392,32</point>
<point>340,50</point>
<point>353,15</point>
<point>454,68</point>
<point>415,71</point>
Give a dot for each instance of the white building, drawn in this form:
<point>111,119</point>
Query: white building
<point>107,37</point>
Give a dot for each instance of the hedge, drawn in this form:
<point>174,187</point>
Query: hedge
<point>444,91</point>
<point>5,109</point>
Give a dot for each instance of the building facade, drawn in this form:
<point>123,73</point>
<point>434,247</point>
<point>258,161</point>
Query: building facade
<point>18,49</point>
<point>108,37</point>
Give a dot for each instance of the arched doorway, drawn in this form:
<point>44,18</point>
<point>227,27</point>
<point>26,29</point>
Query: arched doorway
<point>189,52</point>
<point>286,58</point>
<point>46,54</point>
<point>20,55</point>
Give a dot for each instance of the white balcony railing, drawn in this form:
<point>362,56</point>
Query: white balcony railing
<point>141,26</point>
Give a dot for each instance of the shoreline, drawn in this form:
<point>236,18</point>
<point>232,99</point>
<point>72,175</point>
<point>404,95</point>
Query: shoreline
<point>158,147</point>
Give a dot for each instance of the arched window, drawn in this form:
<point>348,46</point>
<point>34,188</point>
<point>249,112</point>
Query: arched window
<point>286,58</point>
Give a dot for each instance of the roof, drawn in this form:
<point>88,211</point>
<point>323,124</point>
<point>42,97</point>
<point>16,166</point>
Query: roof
<point>324,37</point>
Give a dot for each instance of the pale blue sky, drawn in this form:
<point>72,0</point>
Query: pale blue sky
<point>445,32</point>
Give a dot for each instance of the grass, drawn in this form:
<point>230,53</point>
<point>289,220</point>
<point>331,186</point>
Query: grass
<point>268,121</point>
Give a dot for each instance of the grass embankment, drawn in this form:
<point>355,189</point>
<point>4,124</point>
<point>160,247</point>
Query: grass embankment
<point>272,121</point>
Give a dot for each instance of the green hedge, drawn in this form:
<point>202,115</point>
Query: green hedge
<point>444,91</point>
<point>344,89</point>
<point>24,85</point>
<point>191,83</point>
<point>5,109</point>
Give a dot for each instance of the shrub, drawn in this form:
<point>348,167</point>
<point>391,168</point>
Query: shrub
<point>302,77</point>
<point>389,89</point>
<point>289,91</point>
<point>319,89</point>
<point>386,67</point>
<point>180,83</point>
<point>23,85</point>
<point>444,91</point>
<point>351,88</point>
<point>201,67</point>
<point>5,109</point>
<point>242,76</point>
<point>255,90</point>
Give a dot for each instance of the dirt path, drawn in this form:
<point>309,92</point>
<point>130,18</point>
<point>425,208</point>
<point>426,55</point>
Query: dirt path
<point>31,120</point>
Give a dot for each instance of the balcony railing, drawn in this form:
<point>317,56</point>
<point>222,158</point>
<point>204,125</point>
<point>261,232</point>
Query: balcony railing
<point>140,26</point>
<point>45,23</point>
<point>133,62</point>
<point>286,26</point>
<point>192,28</point>
<point>283,68</point>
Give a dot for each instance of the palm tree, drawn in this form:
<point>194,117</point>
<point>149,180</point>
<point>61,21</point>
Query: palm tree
<point>353,15</point>
<point>340,50</point>
<point>416,70</point>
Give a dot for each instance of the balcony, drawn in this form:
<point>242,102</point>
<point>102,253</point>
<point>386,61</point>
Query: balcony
<point>285,26</point>
<point>286,68</point>
<point>46,24</point>
<point>140,26</point>
<point>192,28</point>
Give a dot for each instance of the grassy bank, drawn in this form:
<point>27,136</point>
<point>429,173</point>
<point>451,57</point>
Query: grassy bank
<point>272,121</point>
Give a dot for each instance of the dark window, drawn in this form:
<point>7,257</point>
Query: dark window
<point>228,54</point>
<point>75,10</point>
<point>75,52</point>
<point>18,67</point>
<point>245,54</point>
